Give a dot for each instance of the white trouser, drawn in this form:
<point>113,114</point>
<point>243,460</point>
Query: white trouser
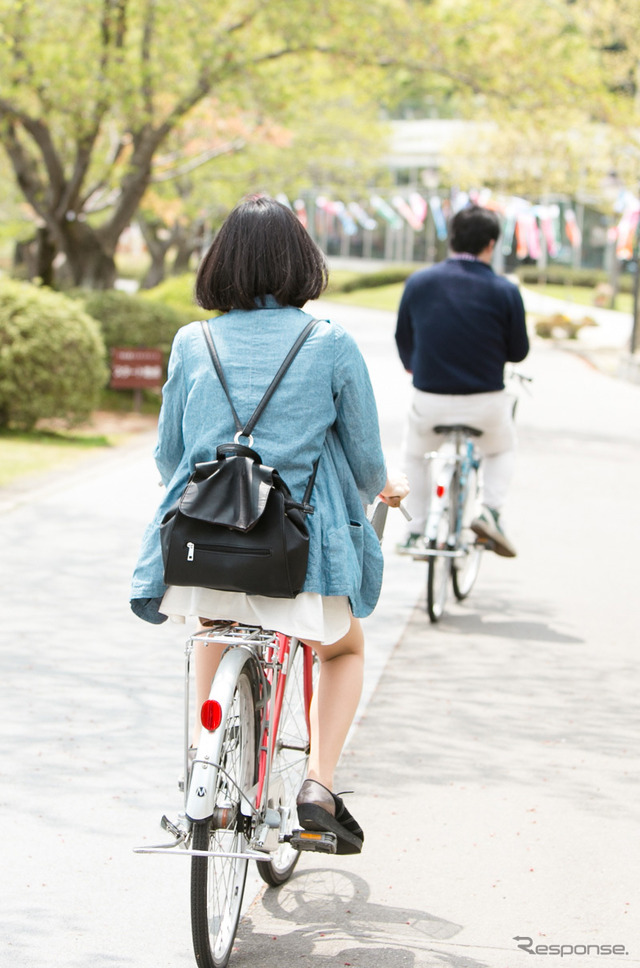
<point>492,413</point>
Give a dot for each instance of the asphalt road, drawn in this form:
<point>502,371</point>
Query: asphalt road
<point>494,763</point>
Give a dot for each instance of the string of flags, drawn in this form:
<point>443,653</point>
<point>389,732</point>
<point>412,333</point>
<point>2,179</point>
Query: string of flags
<point>531,228</point>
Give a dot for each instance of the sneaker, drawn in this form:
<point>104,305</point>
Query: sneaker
<point>412,543</point>
<point>487,525</point>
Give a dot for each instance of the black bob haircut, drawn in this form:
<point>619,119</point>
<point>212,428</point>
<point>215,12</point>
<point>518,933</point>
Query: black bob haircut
<point>262,249</point>
<point>472,229</point>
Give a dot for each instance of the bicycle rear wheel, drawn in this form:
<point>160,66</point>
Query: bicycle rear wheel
<point>290,758</point>
<point>217,881</point>
<point>438,568</point>
<point>464,570</point>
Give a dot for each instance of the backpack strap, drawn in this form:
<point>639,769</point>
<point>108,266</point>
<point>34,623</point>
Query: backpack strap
<point>288,360</point>
<point>211,346</point>
<point>255,416</point>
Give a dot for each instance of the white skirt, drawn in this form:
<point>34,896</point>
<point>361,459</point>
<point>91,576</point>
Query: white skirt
<point>309,616</point>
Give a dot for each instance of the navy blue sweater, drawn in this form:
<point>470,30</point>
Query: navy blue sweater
<point>458,324</point>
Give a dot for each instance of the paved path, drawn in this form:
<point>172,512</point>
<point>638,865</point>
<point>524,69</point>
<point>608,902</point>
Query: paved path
<point>496,769</point>
<point>91,721</point>
<point>495,765</point>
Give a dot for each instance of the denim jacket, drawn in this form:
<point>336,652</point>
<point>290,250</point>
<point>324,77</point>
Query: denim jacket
<point>324,407</point>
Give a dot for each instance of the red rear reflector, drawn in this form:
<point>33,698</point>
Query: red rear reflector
<point>211,714</point>
<point>440,490</point>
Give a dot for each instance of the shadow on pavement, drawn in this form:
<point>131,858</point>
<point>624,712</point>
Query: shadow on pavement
<point>326,917</point>
<point>479,700</point>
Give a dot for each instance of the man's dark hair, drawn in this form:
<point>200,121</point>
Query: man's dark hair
<point>472,229</point>
<point>262,249</point>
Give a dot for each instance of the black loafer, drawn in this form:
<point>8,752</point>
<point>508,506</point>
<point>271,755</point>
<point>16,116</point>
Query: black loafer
<point>316,811</point>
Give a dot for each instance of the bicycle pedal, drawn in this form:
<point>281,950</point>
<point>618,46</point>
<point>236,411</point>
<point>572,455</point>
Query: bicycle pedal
<point>321,841</point>
<point>488,544</point>
<point>175,829</point>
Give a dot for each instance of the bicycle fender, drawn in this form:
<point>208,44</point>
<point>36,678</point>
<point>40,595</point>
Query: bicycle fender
<point>438,504</point>
<point>200,799</point>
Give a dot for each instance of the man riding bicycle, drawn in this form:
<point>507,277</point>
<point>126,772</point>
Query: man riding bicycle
<point>458,324</point>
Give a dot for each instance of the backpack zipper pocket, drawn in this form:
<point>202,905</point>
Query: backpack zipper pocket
<point>225,550</point>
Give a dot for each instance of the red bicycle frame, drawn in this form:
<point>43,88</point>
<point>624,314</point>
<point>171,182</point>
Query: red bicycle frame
<point>274,705</point>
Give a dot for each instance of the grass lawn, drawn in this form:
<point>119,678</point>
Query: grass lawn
<point>388,297</point>
<point>381,297</point>
<point>583,295</point>
<point>23,454</point>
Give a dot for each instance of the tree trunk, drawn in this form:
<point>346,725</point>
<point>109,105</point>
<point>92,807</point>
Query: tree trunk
<point>187,242</point>
<point>90,264</point>
<point>157,249</point>
<point>184,251</point>
<point>155,274</point>
<point>34,259</point>
<point>45,254</point>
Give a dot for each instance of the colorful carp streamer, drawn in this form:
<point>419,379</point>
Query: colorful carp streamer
<point>549,218</point>
<point>625,233</point>
<point>362,218</point>
<point>402,206</point>
<point>300,209</point>
<point>572,228</point>
<point>439,220</point>
<point>339,209</point>
<point>533,229</point>
<point>385,211</point>
<point>419,207</point>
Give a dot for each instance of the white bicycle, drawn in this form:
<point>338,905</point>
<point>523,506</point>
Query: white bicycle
<point>452,550</point>
<point>242,783</point>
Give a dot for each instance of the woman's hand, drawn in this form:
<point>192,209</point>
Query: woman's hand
<point>396,488</point>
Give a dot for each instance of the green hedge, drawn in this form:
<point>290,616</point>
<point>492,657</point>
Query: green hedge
<point>127,320</point>
<point>370,280</point>
<point>555,275</point>
<point>52,357</point>
<point>177,293</point>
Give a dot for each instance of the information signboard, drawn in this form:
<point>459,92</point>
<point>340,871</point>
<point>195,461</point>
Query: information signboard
<point>135,369</point>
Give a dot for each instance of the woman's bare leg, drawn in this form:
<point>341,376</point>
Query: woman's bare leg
<point>335,701</point>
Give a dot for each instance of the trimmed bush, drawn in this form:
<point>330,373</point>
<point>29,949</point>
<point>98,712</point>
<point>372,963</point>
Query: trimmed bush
<point>352,281</point>
<point>52,357</point>
<point>558,275</point>
<point>177,292</point>
<point>127,320</point>
<point>560,326</point>
<point>385,277</point>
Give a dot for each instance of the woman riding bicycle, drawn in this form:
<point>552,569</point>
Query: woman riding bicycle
<point>259,272</point>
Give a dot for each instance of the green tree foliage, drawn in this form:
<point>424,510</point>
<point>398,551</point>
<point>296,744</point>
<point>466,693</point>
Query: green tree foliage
<point>532,156</point>
<point>567,77</point>
<point>612,28</point>
<point>51,357</point>
<point>91,90</point>
<point>488,58</point>
<point>328,137</point>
